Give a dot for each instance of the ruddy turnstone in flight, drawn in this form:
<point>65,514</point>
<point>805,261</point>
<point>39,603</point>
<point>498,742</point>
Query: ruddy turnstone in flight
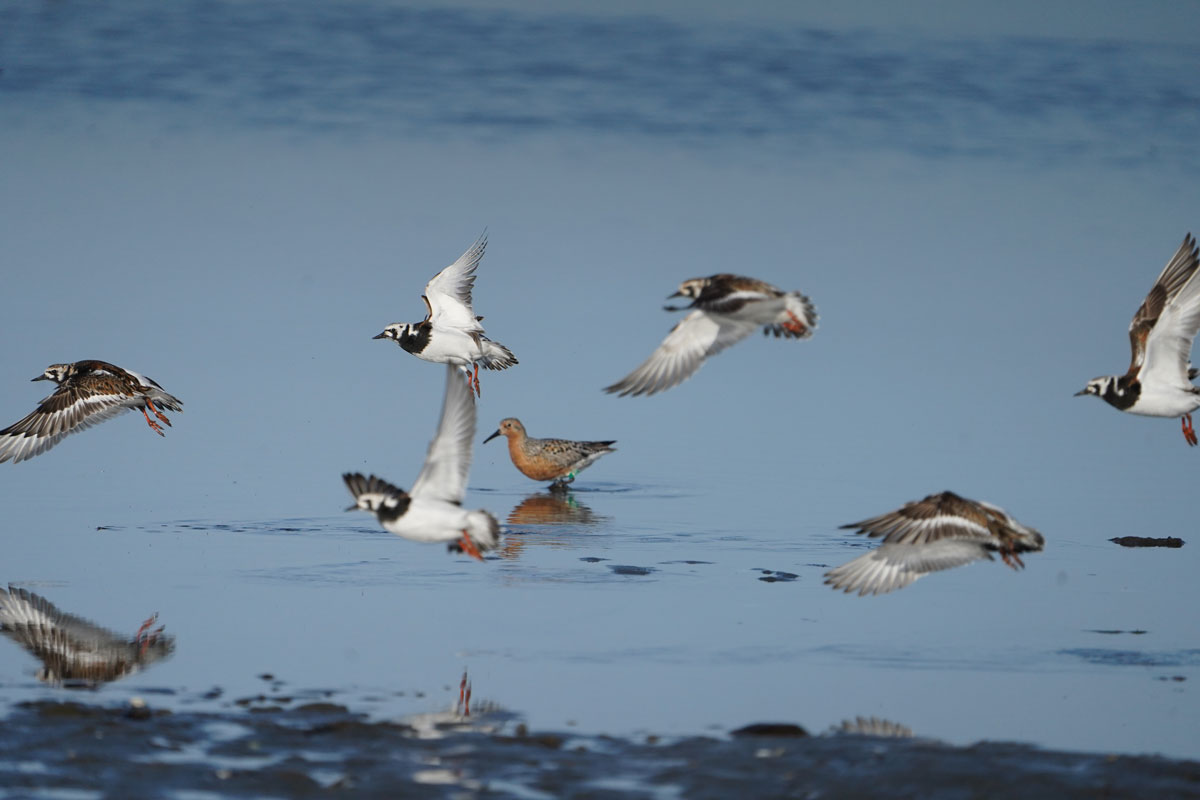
<point>936,533</point>
<point>1158,381</point>
<point>725,309</point>
<point>73,651</point>
<point>432,511</point>
<point>558,460</point>
<point>88,393</point>
<point>450,332</point>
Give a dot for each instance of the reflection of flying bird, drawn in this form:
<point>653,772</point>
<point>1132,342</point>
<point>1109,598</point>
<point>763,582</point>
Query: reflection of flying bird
<point>432,511</point>
<point>1158,381</point>
<point>88,393</point>
<point>939,532</point>
<point>73,651</point>
<point>725,309</point>
<point>872,726</point>
<point>450,332</point>
<point>558,460</point>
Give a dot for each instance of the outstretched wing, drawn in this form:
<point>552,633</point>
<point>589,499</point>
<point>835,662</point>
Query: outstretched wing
<point>1174,276</point>
<point>49,633</point>
<point>894,566</point>
<point>933,518</point>
<point>448,294</point>
<point>444,476</point>
<point>66,411</point>
<point>1168,342</point>
<point>696,337</point>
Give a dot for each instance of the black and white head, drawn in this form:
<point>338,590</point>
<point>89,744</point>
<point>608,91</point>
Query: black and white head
<point>1108,386</point>
<point>396,331</point>
<point>692,288</point>
<point>57,373</point>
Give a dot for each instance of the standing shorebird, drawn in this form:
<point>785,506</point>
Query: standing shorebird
<point>725,309</point>
<point>73,651</point>
<point>88,393</point>
<point>432,511</point>
<point>558,460</point>
<point>450,332</point>
<point>938,532</point>
<point>1158,382</point>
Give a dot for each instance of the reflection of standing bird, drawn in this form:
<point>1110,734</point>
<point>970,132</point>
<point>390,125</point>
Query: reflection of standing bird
<point>939,532</point>
<point>450,332</point>
<point>558,460</point>
<point>726,309</point>
<point>1158,381</point>
<point>88,393</point>
<point>432,511</point>
<point>73,651</point>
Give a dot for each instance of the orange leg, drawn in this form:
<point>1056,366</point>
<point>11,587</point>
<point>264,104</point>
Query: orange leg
<point>158,413</point>
<point>469,547</point>
<point>1012,559</point>
<point>464,696</point>
<point>795,326</point>
<point>157,428</point>
<point>1189,432</point>
<point>477,394</point>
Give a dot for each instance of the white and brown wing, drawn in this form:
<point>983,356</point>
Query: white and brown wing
<point>938,516</point>
<point>448,294</point>
<point>71,408</point>
<point>696,337</point>
<point>1167,342</point>
<point>1174,276</point>
<point>893,566</point>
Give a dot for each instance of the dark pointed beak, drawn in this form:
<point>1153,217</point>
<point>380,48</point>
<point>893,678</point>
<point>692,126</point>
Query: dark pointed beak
<point>677,294</point>
<point>1081,392</point>
<point>353,507</point>
<point>493,436</point>
<point>39,378</point>
<point>380,335</point>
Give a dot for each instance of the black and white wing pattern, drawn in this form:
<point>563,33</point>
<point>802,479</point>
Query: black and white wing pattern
<point>72,650</point>
<point>448,294</point>
<point>694,338</point>
<point>444,475</point>
<point>935,533</point>
<point>70,409</point>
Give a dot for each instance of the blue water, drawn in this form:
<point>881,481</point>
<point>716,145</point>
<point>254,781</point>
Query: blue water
<point>234,197</point>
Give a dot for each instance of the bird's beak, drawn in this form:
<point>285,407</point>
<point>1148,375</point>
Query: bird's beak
<point>677,294</point>
<point>493,436</point>
<point>1080,392</point>
<point>39,378</point>
<point>380,335</point>
<point>352,508</point>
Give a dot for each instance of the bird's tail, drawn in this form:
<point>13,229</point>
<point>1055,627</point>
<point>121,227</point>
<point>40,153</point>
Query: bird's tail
<point>496,355</point>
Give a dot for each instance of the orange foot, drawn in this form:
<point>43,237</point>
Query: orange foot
<point>464,696</point>
<point>1189,433</point>
<point>158,413</point>
<point>469,547</point>
<point>157,428</point>
<point>794,325</point>
<point>1012,559</point>
<point>476,379</point>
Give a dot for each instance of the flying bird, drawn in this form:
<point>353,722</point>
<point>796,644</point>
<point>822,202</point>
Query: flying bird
<point>938,532</point>
<point>88,393</point>
<point>450,332</point>
<point>725,309</point>
<point>432,510</point>
<point>1158,382</point>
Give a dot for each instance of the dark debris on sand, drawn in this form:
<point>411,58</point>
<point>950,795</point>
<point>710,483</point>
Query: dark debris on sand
<point>1146,541</point>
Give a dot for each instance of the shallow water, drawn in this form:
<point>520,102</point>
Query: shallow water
<point>223,202</point>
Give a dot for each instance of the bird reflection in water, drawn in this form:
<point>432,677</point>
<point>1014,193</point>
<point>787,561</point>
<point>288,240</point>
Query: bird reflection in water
<point>546,508</point>
<point>872,726</point>
<point>74,652</point>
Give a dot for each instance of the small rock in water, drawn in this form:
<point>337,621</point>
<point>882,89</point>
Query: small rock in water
<point>771,729</point>
<point>1147,541</point>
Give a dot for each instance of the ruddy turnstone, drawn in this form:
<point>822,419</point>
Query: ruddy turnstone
<point>557,460</point>
<point>73,651</point>
<point>88,393</point>
<point>936,533</point>
<point>1158,381</point>
<point>432,511</point>
<point>725,309</point>
<point>450,332</point>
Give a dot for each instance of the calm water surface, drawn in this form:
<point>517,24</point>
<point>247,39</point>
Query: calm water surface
<point>233,198</point>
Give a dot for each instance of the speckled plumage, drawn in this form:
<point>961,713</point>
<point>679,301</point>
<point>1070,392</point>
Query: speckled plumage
<point>938,532</point>
<point>73,651</point>
<point>558,460</point>
<point>88,393</point>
